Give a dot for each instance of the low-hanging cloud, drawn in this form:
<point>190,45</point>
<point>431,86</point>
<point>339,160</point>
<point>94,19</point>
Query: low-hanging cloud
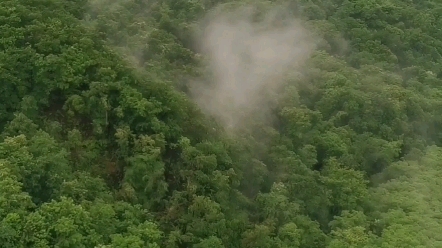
<point>247,59</point>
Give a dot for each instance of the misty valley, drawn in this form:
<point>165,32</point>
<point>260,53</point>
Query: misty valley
<point>220,124</point>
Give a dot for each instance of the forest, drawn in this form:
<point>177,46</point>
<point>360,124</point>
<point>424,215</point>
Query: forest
<point>139,123</point>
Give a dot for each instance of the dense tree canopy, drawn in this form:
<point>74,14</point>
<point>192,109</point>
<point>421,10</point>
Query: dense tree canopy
<point>101,145</point>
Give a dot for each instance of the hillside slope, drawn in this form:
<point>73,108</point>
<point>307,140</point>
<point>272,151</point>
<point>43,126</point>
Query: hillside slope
<point>103,145</point>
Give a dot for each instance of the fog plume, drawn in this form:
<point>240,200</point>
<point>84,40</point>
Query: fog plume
<point>248,59</point>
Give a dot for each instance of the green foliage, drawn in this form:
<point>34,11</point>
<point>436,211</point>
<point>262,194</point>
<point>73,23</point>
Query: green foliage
<point>101,147</point>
